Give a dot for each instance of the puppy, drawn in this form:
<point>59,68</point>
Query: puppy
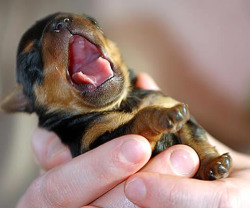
<point>74,79</point>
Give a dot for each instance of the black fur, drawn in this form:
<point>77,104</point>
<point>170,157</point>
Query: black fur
<point>167,140</point>
<point>69,128</point>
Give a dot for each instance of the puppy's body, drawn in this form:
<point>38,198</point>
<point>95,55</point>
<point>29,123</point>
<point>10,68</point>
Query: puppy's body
<point>73,77</point>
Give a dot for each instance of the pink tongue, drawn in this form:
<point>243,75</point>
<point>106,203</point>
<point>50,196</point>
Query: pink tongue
<point>86,66</point>
<point>94,73</point>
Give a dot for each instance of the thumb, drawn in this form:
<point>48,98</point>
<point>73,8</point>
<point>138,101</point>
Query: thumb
<point>178,160</point>
<point>158,191</point>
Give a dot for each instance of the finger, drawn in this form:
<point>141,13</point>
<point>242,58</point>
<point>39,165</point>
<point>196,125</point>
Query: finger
<point>98,170</point>
<point>144,81</point>
<point>178,160</point>
<point>48,149</point>
<point>156,190</point>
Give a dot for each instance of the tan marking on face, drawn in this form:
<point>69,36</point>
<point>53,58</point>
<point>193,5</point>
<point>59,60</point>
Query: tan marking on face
<point>56,94</point>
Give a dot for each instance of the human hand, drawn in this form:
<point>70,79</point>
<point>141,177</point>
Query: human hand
<point>85,178</point>
<point>154,190</point>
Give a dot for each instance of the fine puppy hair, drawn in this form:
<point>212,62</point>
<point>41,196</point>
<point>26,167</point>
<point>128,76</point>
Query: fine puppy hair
<point>75,80</point>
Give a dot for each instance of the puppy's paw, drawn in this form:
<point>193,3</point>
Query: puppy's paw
<point>172,119</point>
<point>216,168</point>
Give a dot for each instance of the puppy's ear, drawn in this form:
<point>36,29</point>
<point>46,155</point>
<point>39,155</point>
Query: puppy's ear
<point>16,101</point>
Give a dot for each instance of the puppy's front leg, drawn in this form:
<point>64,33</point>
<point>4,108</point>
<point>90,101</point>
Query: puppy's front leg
<point>151,122</point>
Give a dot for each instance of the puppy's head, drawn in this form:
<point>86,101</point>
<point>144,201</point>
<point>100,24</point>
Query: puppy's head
<point>65,63</point>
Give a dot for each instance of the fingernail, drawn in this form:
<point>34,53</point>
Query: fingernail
<point>182,162</point>
<point>133,151</point>
<point>135,190</point>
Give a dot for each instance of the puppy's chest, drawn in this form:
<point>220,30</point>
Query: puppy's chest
<point>97,127</point>
<point>111,120</point>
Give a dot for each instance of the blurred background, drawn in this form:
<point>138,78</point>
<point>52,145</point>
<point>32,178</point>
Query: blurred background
<point>197,51</point>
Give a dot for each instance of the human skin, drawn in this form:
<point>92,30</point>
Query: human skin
<point>145,189</point>
<point>119,174</point>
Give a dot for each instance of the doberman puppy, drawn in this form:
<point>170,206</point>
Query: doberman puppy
<point>75,80</point>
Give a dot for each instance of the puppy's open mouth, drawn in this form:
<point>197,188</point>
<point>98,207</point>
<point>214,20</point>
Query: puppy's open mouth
<point>87,65</point>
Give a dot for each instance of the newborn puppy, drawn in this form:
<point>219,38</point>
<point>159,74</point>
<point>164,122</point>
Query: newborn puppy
<point>74,79</point>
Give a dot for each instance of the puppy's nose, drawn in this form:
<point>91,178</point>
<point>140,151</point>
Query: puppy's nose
<point>62,24</point>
